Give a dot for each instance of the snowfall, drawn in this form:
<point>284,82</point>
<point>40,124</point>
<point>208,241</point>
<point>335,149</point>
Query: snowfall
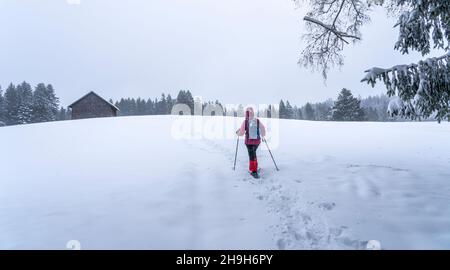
<point>167,182</point>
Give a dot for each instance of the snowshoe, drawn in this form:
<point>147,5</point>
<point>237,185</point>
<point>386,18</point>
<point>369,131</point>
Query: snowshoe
<point>255,175</point>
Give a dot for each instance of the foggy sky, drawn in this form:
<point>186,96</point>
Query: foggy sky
<point>237,51</point>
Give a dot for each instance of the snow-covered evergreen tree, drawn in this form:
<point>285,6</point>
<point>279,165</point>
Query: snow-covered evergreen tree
<point>282,110</point>
<point>12,105</point>
<point>322,110</point>
<point>161,106</point>
<point>2,107</point>
<point>170,103</point>
<point>286,111</point>
<point>62,114</point>
<point>140,106</point>
<point>39,103</point>
<point>289,111</point>
<point>53,101</point>
<point>422,87</point>
<point>376,105</point>
<point>299,113</point>
<point>347,107</point>
<point>25,97</point>
<point>132,107</point>
<point>371,114</point>
<point>309,112</point>
<point>150,107</point>
<point>45,104</point>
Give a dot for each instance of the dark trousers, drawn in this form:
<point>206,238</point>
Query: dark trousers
<point>252,151</point>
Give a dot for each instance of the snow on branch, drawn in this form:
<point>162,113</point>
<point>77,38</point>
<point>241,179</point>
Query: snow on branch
<point>376,73</point>
<point>424,88</point>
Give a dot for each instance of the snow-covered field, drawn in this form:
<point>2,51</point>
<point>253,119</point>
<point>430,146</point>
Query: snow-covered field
<point>131,183</point>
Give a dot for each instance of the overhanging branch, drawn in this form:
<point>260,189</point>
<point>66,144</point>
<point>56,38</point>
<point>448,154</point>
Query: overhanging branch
<point>373,73</point>
<point>332,29</point>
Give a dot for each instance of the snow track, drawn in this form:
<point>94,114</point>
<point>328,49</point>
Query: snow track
<point>299,224</point>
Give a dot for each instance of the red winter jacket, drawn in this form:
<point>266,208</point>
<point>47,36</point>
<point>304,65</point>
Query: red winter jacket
<point>249,114</point>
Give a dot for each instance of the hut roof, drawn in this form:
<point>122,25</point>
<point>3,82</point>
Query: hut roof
<point>93,93</point>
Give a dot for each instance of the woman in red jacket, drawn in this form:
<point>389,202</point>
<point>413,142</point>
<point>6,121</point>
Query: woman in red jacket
<point>253,130</point>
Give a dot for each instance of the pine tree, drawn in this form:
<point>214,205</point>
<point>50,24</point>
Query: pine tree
<point>161,106</point>
<point>53,103</point>
<point>40,103</point>
<point>62,114</point>
<point>133,107</point>
<point>282,110</point>
<point>371,114</point>
<point>269,111</point>
<point>25,98</point>
<point>126,110</point>
<point>117,104</point>
<point>170,103</point>
<point>45,104</point>
<point>309,112</point>
<point>150,107</point>
<point>190,101</point>
<point>378,104</point>
<point>3,116</point>
<point>299,113</point>
<point>120,104</point>
<point>289,113</point>
<point>141,106</point>
<point>347,107</point>
<point>68,113</point>
<point>323,110</point>
<point>12,105</point>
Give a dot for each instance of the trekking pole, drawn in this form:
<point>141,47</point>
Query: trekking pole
<point>264,139</point>
<point>235,155</point>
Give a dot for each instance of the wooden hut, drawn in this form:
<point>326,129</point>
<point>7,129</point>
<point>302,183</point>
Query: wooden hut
<point>92,105</point>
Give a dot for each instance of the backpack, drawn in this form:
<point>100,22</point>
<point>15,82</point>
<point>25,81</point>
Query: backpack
<point>252,129</point>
